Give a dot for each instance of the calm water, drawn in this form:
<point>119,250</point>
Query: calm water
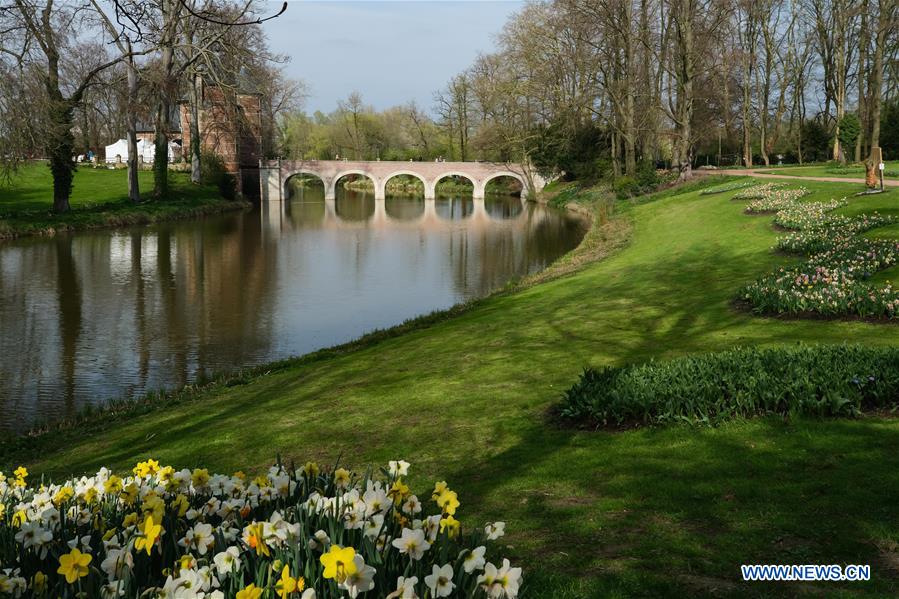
<point>93,316</point>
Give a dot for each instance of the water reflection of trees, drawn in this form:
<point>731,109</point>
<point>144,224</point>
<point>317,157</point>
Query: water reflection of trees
<point>127,313</point>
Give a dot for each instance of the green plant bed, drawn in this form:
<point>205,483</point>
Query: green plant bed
<point>746,382</point>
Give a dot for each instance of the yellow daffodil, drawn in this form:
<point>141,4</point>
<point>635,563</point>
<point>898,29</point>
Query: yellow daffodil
<point>153,506</point>
<point>342,478</point>
<point>149,533</point>
<point>448,501</point>
<point>19,518</point>
<point>113,485</point>
<point>256,538</point>
<point>129,494</point>
<point>21,472</point>
<point>338,563</point>
<point>250,592</point>
<point>438,489</point>
<point>180,505</point>
<point>63,495</point>
<point>200,477</point>
<point>450,526</point>
<point>129,520</point>
<point>287,585</point>
<point>39,583</point>
<point>240,474</point>
<point>398,491</point>
<point>73,565</point>
<point>90,495</point>
<point>311,469</point>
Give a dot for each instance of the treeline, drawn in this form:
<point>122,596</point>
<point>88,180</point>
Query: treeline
<point>611,88</point>
<point>76,76</point>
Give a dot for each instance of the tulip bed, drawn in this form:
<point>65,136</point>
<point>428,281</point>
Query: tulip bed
<point>834,280</point>
<point>708,389</point>
<point>304,533</point>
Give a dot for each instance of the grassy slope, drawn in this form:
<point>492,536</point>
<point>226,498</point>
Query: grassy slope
<point>668,512</point>
<point>99,198</point>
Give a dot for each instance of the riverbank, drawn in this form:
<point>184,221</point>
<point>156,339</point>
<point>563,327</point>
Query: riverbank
<point>99,200</point>
<point>466,396</point>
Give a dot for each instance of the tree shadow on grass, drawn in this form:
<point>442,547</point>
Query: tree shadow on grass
<point>675,512</point>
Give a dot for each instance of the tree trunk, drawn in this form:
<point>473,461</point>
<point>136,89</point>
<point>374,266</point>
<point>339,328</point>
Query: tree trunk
<point>60,150</point>
<point>195,99</point>
<point>885,22</point>
<point>133,158</point>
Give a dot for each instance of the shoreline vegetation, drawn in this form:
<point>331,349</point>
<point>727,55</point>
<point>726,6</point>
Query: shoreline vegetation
<point>99,201</point>
<point>653,279</point>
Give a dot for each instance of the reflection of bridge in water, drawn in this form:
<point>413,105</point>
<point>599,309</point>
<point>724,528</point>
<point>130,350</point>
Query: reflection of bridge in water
<point>274,175</point>
<point>361,211</point>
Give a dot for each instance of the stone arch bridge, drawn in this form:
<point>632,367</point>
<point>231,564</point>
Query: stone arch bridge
<point>275,174</point>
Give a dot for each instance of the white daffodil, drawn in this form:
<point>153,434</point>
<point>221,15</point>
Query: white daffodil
<point>495,530</point>
<point>440,581</point>
<point>398,467</point>
<point>412,543</point>
<point>474,559</point>
<point>405,588</point>
<point>227,561</point>
<point>361,580</point>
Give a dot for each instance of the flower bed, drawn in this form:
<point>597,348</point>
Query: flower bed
<point>758,191</point>
<point>727,187</point>
<point>303,533</point>
<point>776,200</point>
<point>833,281</point>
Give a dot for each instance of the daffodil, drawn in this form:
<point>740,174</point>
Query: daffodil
<point>73,565</point>
<point>338,562</point>
<point>440,581</point>
<point>149,533</point>
<point>250,592</point>
<point>287,584</point>
<point>412,543</point>
<point>450,526</point>
<point>342,478</point>
<point>254,537</point>
<point>448,501</point>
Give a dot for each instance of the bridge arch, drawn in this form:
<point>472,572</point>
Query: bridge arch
<point>303,172</point>
<point>382,193</point>
<point>439,178</point>
<point>513,175</point>
<point>340,175</point>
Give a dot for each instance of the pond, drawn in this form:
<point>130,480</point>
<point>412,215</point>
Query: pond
<point>100,315</point>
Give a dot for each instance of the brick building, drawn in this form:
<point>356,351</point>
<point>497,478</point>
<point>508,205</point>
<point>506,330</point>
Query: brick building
<point>230,129</point>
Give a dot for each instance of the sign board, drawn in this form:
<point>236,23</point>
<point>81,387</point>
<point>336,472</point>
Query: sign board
<point>881,166</point>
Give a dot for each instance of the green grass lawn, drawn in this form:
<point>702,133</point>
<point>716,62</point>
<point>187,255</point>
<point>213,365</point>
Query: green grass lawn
<point>853,171</point>
<point>656,512</point>
<point>99,199</point>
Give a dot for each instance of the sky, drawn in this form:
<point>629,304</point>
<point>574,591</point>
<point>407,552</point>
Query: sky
<point>390,52</point>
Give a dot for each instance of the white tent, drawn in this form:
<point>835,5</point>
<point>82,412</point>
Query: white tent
<point>145,150</point>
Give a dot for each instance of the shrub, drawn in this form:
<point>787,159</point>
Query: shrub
<point>291,532</point>
<point>626,187</point>
<point>819,381</point>
<point>213,172</point>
